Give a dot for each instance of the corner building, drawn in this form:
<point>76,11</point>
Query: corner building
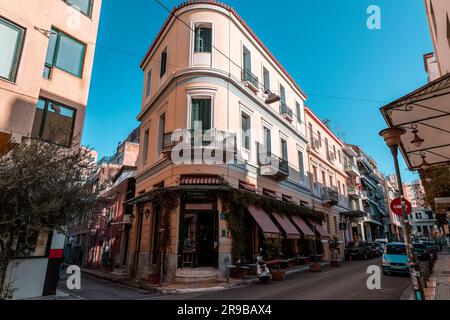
<point>207,65</point>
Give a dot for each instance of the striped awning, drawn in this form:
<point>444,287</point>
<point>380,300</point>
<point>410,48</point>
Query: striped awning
<point>319,229</point>
<point>287,226</point>
<point>201,180</point>
<point>247,186</point>
<point>301,224</point>
<point>269,229</point>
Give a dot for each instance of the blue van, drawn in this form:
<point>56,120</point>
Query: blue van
<point>395,259</point>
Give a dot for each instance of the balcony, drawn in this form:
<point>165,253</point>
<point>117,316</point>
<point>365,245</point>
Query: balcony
<point>351,169</point>
<point>331,156</point>
<point>330,196</point>
<point>286,112</point>
<point>250,80</point>
<point>354,192</point>
<point>317,189</point>
<point>192,140</point>
<point>343,201</point>
<point>272,165</point>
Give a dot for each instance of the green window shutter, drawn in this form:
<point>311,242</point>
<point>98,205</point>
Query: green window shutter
<point>201,111</point>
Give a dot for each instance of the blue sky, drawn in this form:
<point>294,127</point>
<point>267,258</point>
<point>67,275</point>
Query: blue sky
<point>324,44</point>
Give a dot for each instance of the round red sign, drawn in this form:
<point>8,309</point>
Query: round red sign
<point>396,206</point>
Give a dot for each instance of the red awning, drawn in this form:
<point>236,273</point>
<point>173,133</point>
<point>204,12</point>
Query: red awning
<point>287,226</point>
<point>265,223</point>
<point>247,186</point>
<point>319,229</point>
<point>301,224</point>
<point>200,180</point>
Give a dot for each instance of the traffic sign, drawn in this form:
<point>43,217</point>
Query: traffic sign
<point>396,206</point>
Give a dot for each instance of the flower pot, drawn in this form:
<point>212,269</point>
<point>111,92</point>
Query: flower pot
<point>314,267</point>
<point>153,278</point>
<point>335,264</point>
<point>277,275</point>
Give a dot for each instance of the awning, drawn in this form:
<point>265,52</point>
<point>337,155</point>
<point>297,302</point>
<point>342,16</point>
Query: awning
<point>270,194</point>
<point>289,199</point>
<point>424,113</point>
<point>287,226</point>
<point>247,186</point>
<point>265,223</point>
<point>200,180</point>
<point>354,214</point>
<point>319,229</point>
<point>301,224</point>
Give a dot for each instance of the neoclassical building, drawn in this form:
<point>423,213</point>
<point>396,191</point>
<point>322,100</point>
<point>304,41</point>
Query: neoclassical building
<point>208,80</point>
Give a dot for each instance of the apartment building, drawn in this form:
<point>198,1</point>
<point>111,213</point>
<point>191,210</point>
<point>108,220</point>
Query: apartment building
<point>47,52</point>
<point>391,191</point>
<point>326,162</point>
<point>231,88</point>
<point>414,193</point>
<point>423,223</point>
<point>374,224</point>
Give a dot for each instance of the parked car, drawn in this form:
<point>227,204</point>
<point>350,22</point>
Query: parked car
<point>357,250</point>
<point>422,252</point>
<point>375,249</point>
<point>432,248</point>
<point>395,259</point>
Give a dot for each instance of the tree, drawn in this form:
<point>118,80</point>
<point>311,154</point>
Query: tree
<point>41,189</point>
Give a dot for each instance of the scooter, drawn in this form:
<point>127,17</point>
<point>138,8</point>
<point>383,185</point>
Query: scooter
<point>262,270</point>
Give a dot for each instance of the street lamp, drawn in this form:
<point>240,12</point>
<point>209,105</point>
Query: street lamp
<point>392,138</point>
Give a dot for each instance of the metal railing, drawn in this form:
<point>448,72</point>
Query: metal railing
<point>197,138</point>
<point>249,77</point>
<point>267,158</point>
<point>285,110</point>
<point>330,194</point>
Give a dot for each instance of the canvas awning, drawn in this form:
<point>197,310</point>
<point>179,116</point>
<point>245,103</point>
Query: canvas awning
<point>301,224</point>
<point>425,112</point>
<point>247,186</point>
<point>319,229</point>
<point>201,180</point>
<point>269,229</point>
<point>287,226</point>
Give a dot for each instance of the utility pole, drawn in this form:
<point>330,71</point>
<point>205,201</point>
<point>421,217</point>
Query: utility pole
<point>392,139</point>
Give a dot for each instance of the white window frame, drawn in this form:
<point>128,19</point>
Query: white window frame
<point>200,93</point>
<point>192,41</point>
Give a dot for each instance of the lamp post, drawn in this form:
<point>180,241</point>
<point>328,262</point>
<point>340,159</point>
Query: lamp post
<point>392,138</point>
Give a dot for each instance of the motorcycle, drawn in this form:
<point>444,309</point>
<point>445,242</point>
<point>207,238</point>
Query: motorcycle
<point>262,270</point>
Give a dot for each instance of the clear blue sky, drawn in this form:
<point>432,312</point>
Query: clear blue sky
<point>324,44</point>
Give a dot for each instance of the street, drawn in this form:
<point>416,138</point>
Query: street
<point>345,283</point>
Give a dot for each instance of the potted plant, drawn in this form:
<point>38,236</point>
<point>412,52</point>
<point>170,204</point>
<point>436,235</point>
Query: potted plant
<point>334,249</point>
<point>315,266</point>
<point>273,251</point>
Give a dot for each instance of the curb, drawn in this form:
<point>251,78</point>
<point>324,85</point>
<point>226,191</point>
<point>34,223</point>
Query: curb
<point>408,294</point>
<point>229,286</point>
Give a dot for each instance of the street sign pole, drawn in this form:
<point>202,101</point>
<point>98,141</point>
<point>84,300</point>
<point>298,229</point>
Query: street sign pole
<point>415,274</point>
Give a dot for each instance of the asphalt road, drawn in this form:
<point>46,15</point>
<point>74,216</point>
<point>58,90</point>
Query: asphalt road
<point>345,283</point>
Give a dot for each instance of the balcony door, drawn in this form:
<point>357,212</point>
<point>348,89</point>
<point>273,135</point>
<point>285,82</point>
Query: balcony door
<point>247,62</point>
<point>201,112</point>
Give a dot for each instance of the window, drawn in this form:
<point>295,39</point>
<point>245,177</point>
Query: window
<point>324,180</point>
<point>339,186</point>
<point>299,113</point>
<point>201,112</point>
<point>161,130</point>
<point>267,141</point>
<point>65,53</point>
<point>335,225</point>
<point>163,62</point>
<point>339,156</point>
<point>327,217</point>
<point>203,38</point>
<point>84,6</point>
<point>326,147</point>
<point>331,181</point>
<point>284,150</point>
<point>301,166</point>
<point>247,60</point>
<point>311,135</point>
<point>315,173</point>
<point>266,80</point>
<point>53,122</point>
<point>148,88</point>
<point>11,42</point>
<point>145,146</point>
<point>418,215</point>
<point>282,95</point>
<point>319,136</point>
<point>246,133</point>
<point>419,229</point>
<point>334,151</point>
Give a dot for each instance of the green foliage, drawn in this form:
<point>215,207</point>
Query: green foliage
<point>438,184</point>
<point>273,248</point>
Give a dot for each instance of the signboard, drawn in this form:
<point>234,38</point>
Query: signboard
<point>342,226</point>
<point>396,206</point>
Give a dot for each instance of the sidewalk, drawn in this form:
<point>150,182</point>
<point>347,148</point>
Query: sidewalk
<point>439,282</point>
<point>438,285</point>
<point>190,287</point>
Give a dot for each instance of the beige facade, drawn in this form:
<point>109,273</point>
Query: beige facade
<point>438,18</point>
<point>326,162</point>
<point>27,29</point>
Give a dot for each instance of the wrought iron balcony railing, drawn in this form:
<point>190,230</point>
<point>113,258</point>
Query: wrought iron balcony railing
<point>249,77</point>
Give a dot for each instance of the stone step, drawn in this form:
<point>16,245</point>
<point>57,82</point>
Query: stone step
<point>195,274</point>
